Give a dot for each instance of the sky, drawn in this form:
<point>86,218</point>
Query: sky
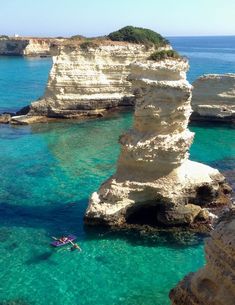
<point>52,18</point>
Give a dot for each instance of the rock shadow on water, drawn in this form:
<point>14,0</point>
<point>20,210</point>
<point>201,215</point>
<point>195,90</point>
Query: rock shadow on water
<point>67,218</point>
<point>57,220</point>
<point>41,258</point>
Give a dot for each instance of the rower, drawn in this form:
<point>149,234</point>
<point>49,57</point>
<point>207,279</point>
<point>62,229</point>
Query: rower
<point>74,246</point>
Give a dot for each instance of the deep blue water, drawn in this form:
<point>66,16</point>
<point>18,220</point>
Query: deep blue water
<point>207,54</point>
<point>48,172</point>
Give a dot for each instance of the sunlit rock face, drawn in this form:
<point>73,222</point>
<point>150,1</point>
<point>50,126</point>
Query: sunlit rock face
<point>88,80</point>
<point>214,284</point>
<point>214,98</point>
<point>25,46</point>
<point>155,183</point>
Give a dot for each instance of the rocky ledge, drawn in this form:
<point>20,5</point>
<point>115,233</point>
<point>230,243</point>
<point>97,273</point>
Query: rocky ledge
<point>214,284</point>
<point>214,98</point>
<point>27,46</point>
<point>155,184</point>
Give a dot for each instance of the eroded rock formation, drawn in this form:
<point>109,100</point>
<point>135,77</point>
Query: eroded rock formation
<point>214,98</point>
<point>214,284</point>
<point>25,46</point>
<point>155,183</point>
<point>88,77</point>
<point>88,80</point>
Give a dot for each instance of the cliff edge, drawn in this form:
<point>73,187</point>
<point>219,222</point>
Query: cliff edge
<point>214,284</point>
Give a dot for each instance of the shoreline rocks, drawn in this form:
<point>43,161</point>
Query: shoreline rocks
<point>154,180</point>
<point>27,46</point>
<point>214,283</point>
<point>213,98</point>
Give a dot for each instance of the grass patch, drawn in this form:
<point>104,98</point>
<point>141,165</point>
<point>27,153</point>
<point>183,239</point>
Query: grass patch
<point>164,54</point>
<point>139,36</point>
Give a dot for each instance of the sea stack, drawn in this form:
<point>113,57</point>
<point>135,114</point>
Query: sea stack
<point>155,183</point>
<point>214,284</point>
<point>214,98</point>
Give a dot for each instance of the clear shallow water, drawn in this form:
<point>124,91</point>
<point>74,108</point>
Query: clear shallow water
<point>47,173</point>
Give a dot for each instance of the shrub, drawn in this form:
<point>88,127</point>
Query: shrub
<point>4,37</point>
<point>138,35</point>
<point>77,37</point>
<point>88,44</point>
<point>164,54</point>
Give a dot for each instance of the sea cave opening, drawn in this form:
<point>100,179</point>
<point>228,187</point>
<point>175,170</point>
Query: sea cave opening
<point>144,214</point>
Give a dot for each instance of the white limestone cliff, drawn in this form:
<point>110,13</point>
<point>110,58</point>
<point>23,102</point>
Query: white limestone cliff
<point>214,284</point>
<point>87,80</point>
<point>214,98</point>
<point>155,183</point>
<point>27,46</point>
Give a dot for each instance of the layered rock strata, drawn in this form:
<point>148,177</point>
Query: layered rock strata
<point>214,98</point>
<point>214,284</point>
<point>25,46</point>
<point>155,183</point>
<point>88,79</point>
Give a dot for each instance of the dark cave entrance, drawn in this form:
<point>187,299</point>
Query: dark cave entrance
<point>204,195</point>
<point>143,215</point>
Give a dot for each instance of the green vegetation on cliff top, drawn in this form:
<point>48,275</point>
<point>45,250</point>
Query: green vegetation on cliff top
<point>164,54</point>
<point>138,35</point>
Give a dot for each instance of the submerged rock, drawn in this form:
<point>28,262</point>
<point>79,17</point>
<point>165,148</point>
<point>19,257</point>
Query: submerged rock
<point>214,284</point>
<point>214,98</point>
<point>155,183</point>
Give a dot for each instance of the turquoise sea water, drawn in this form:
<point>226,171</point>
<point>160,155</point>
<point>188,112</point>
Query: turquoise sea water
<point>48,172</point>
<point>22,80</point>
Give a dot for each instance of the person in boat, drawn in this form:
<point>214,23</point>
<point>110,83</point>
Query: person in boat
<point>75,247</point>
<point>63,239</point>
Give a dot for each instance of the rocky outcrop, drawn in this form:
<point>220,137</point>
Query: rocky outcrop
<point>214,284</point>
<point>155,183</point>
<point>5,118</point>
<point>89,79</point>
<point>214,98</point>
<point>24,46</point>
